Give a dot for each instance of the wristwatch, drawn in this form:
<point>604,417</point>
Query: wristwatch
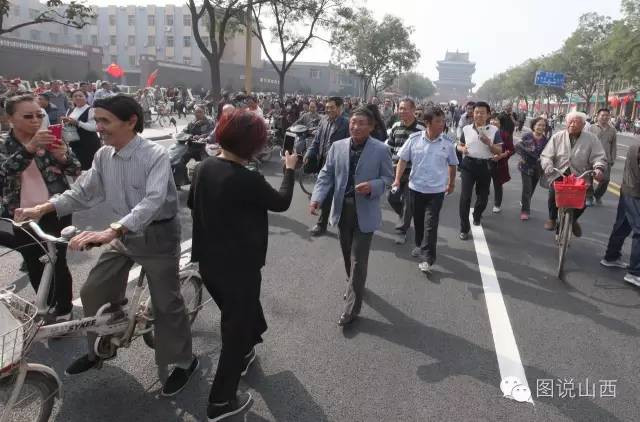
<point>118,228</point>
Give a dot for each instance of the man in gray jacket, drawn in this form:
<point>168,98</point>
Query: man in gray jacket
<point>607,136</point>
<point>572,151</point>
<point>357,170</point>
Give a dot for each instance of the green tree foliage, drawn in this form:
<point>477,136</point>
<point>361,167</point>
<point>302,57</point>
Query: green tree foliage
<point>377,51</point>
<point>416,85</point>
<point>73,14</point>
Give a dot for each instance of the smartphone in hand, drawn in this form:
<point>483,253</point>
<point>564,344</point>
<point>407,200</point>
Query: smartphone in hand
<point>56,130</point>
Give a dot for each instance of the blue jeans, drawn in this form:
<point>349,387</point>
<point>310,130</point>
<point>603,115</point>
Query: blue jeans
<point>627,221</point>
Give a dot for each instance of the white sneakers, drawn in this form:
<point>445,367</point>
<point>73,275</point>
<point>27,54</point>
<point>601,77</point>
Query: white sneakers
<point>496,209</point>
<point>632,279</point>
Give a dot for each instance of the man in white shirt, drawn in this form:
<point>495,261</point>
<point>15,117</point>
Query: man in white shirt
<point>478,144</point>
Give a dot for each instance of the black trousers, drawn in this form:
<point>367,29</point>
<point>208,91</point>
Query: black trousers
<point>474,173</point>
<point>401,204</point>
<point>497,187</point>
<point>529,183</point>
<point>60,294</point>
<point>426,209</point>
<point>236,291</point>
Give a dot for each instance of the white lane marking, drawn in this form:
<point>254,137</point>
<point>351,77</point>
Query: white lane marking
<point>135,271</point>
<point>507,352</point>
<point>621,157</point>
<point>623,146</point>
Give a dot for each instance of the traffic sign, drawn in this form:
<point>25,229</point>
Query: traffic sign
<point>550,79</point>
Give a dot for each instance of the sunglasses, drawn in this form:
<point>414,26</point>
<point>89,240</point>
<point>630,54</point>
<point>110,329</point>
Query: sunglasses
<point>31,116</point>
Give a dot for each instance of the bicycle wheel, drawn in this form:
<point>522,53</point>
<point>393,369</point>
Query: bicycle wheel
<point>35,401</point>
<point>191,290</point>
<point>163,121</point>
<point>306,182</point>
<point>564,237</point>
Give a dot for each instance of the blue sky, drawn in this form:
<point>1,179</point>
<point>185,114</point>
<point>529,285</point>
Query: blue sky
<point>497,33</point>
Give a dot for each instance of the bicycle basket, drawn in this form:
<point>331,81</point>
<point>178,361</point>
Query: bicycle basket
<point>17,327</point>
<point>570,192</point>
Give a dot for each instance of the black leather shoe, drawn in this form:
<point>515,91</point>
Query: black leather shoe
<point>84,363</point>
<point>318,230</point>
<point>346,319</point>
<point>179,378</point>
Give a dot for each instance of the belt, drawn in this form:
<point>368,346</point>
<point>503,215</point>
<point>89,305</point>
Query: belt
<point>477,159</point>
<point>166,220</point>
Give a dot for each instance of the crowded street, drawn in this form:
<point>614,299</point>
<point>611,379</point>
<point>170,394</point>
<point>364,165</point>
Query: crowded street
<point>423,348</point>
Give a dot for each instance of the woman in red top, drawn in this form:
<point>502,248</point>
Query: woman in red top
<point>500,173</point>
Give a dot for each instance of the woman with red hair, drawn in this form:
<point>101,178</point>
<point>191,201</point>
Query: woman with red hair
<point>229,206</point>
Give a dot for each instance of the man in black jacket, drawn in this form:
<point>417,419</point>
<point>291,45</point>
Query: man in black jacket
<point>333,127</point>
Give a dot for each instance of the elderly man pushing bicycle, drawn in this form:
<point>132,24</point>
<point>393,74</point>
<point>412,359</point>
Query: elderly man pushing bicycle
<point>133,176</point>
<point>573,151</point>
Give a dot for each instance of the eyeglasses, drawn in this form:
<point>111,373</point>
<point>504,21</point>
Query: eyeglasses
<point>31,116</point>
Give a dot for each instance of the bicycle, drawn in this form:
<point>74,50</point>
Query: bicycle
<point>570,194</point>
<point>163,114</point>
<point>28,390</point>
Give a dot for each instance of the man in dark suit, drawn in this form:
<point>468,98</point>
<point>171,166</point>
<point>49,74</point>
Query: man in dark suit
<point>333,127</point>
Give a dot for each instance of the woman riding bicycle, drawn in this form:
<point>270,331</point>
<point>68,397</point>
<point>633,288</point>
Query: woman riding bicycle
<point>572,150</point>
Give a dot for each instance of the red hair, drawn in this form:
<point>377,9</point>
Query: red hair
<point>242,132</point>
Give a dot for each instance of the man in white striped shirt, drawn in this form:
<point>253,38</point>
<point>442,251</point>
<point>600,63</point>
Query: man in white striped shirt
<point>133,176</point>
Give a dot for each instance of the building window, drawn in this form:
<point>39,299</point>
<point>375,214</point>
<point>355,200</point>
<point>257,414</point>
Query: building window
<point>65,30</point>
<point>186,60</point>
<point>169,20</point>
<point>112,20</point>
<point>112,40</point>
<point>94,40</point>
<point>131,20</point>
<point>54,38</point>
<point>78,39</point>
<point>151,41</point>
<point>169,41</point>
<point>114,59</point>
<point>132,60</point>
<point>35,35</point>
<point>34,13</point>
<point>186,20</point>
<point>151,20</point>
<point>131,40</point>
<point>314,74</point>
<point>170,58</point>
<point>187,41</point>
<point>16,10</point>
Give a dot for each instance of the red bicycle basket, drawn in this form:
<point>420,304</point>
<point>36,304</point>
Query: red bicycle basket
<point>570,192</point>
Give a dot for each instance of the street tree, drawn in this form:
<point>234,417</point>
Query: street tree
<point>581,57</point>
<point>377,51</point>
<point>213,23</point>
<point>292,25</point>
<point>72,14</point>
<point>416,85</point>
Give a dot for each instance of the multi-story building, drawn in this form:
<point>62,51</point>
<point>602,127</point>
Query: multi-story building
<point>455,73</point>
<point>127,33</point>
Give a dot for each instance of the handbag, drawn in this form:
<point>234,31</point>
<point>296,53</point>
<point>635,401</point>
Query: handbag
<point>70,133</point>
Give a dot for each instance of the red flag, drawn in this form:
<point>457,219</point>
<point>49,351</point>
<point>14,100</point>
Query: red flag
<point>115,70</point>
<point>152,78</point>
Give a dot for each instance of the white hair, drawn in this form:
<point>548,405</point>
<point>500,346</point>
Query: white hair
<point>580,115</point>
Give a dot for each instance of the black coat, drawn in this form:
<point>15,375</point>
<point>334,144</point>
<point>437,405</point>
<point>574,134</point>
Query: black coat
<point>229,205</point>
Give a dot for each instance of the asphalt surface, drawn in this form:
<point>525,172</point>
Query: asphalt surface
<point>423,349</point>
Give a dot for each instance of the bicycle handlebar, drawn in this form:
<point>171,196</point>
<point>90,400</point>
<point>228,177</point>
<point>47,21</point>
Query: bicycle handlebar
<point>37,230</point>
<point>579,177</point>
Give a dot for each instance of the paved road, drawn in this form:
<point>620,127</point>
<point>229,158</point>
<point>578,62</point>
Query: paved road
<point>424,349</point>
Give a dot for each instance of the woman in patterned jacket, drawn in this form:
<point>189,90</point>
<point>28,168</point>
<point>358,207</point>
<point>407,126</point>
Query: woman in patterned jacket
<point>33,167</point>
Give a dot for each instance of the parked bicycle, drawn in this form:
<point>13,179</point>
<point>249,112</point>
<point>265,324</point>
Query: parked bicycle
<point>28,390</point>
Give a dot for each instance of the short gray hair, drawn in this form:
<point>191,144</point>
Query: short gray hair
<point>580,115</point>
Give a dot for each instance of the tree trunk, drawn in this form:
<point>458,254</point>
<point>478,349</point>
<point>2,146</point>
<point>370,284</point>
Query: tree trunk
<point>214,67</point>
<point>281,87</point>
<point>365,87</point>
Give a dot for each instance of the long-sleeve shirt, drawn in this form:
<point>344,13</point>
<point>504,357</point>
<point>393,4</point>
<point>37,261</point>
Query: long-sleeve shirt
<point>136,182</point>
<point>608,138</point>
<point>399,134</point>
<point>229,205</point>
<point>529,150</point>
<point>14,159</point>
<point>586,153</point>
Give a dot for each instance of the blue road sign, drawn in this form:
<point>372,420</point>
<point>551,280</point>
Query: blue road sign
<point>550,79</point>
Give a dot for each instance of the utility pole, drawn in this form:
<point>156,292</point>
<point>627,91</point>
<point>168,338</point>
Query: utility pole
<point>248,70</point>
